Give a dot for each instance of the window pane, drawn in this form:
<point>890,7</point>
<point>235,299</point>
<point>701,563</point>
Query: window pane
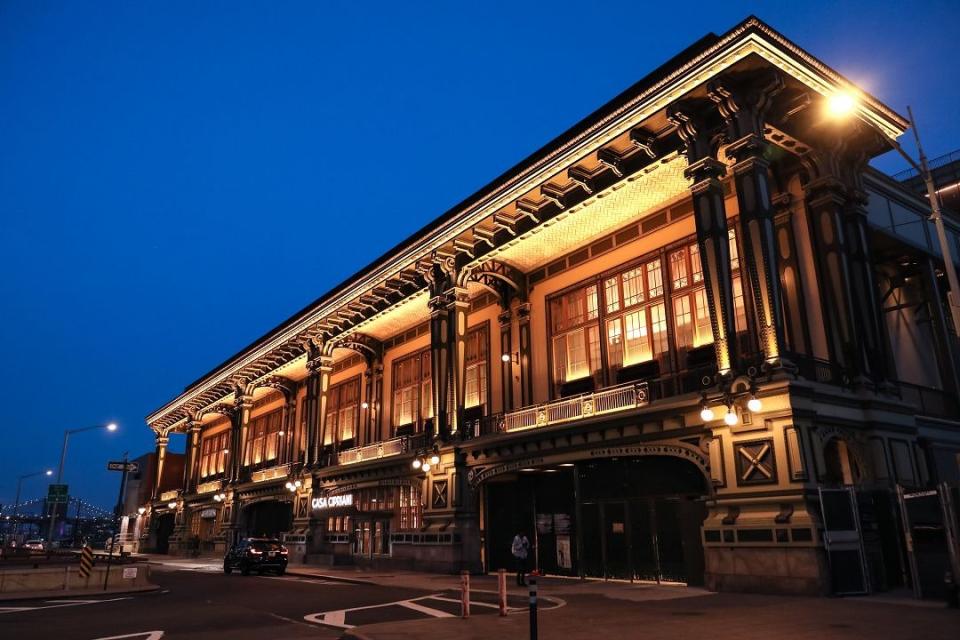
<point>734,253</point>
<point>683,320</point>
<point>612,295</point>
<point>593,307</point>
<point>695,267</point>
<point>704,332</point>
<point>654,279</point>
<point>637,338</point>
<point>615,343</point>
<point>632,287</point>
<point>740,311</point>
<point>678,269</point>
<point>658,326</point>
<point>560,359</point>
<point>576,356</point>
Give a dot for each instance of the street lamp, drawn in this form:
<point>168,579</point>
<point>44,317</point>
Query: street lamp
<point>16,501</point>
<point>842,105</point>
<point>111,426</point>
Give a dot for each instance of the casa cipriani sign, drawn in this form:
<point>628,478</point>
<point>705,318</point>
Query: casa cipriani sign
<point>329,502</point>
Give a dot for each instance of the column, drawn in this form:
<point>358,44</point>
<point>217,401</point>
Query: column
<point>439,361</point>
<point>161,453</point>
<point>458,306</point>
<point>318,384</point>
<point>240,421</point>
<point>705,171</point>
<point>526,361</point>
<point>506,366</point>
<point>872,345</point>
<point>743,102</point>
<point>192,457</point>
<point>373,387</point>
<point>288,440</point>
<point>825,198</point>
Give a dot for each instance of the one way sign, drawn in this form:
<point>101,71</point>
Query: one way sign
<point>129,467</point>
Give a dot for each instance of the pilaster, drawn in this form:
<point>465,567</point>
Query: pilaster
<point>743,102</point>
<point>704,171</point>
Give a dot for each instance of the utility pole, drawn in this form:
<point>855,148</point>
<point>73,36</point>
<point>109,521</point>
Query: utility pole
<point>953,294</point>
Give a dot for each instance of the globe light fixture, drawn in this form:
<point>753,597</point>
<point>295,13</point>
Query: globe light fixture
<point>730,418</point>
<point>754,404</point>
<point>416,463</point>
<point>706,413</point>
<point>435,459</point>
<point>505,357</point>
<point>364,405</point>
<point>172,505</point>
<point>141,510</point>
<point>425,466</point>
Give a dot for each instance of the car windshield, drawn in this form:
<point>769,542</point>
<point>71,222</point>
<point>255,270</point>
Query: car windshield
<point>265,545</point>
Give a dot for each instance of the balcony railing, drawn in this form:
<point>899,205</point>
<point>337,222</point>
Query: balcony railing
<point>391,447</point>
<point>270,473</point>
<point>606,401</point>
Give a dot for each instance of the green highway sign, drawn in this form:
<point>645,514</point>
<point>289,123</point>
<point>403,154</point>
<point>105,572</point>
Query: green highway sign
<point>57,494</point>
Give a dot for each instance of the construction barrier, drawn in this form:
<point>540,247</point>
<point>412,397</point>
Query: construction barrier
<point>86,561</point>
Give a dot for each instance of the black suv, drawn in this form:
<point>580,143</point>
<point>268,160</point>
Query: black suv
<point>256,554</point>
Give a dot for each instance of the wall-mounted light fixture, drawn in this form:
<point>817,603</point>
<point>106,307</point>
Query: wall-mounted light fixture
<point>508,357</point>
<point>425,460</point>
<point>729,400</point>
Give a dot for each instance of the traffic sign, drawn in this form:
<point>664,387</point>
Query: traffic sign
<point>57,494</point>
<point>129,467</point>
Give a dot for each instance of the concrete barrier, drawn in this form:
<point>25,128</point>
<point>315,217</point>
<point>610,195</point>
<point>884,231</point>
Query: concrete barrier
<point>67,578</point>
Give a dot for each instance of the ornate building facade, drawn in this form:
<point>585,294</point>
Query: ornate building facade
<point>666,346</point>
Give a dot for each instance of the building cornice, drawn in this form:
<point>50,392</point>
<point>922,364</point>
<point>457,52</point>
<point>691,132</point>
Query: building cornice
<point>640,102</point>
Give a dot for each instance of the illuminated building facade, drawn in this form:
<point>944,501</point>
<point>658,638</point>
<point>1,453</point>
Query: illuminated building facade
<point>650,346</point>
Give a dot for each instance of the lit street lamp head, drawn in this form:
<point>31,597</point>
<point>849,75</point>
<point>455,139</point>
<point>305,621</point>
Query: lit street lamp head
<point>49,472</point>
<point>841,104</point>
<point>112,426</point>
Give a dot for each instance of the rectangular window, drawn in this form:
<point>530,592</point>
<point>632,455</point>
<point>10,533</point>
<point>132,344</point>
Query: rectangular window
<point>213,453</point>
<point>343,411</point>
<point>412,399</point>
<point>632,287</point>
<point>576,336</point>
<point>476,361</point>
<point>263,433</point>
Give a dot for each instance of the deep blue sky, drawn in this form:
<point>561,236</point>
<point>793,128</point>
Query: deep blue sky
<point>176,178</point>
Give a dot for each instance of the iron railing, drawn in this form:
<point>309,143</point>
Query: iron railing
<point>391,447</point>
<point>605,401</point>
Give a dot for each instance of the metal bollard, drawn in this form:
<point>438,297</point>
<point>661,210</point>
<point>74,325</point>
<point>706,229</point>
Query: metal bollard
<point>533,608</point>
<point>502,590</point>
<point>464,594</point>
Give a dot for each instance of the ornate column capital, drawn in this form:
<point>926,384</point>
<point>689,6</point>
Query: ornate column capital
<point>743,101</point>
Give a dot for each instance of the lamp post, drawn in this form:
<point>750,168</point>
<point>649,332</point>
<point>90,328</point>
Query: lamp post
<point>16,501</point>
<point>842,105</point>
<point>112,426</point>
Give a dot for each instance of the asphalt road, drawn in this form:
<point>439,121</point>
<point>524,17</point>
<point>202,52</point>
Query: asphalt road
<point>207,604</point>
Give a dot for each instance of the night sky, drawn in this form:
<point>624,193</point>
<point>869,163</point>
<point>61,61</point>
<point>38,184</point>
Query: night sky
<point>176,178</point>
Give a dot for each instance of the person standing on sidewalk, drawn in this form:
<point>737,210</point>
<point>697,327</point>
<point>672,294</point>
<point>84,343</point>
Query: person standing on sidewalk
<point>520,550</point>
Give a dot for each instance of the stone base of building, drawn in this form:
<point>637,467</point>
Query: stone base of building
<point>785,571</point>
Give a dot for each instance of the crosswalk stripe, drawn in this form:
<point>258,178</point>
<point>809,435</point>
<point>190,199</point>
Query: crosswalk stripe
<point>436,613</point>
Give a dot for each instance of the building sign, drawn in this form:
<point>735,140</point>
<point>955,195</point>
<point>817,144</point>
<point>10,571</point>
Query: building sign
<point>129,573</point>
<point>329,502</point>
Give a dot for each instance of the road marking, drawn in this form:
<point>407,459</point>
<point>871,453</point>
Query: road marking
<point>435,613</point>
<point>308,580</point>
<point>55,604</point>
<point>141,635</point>
<point>473,603</point>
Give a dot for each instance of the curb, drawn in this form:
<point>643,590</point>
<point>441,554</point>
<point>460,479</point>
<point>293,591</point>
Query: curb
<point>79,593</point>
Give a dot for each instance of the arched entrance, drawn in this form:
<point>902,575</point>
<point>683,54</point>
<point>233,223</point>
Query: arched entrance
<point>267,519</point>
<point>631,518</point>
